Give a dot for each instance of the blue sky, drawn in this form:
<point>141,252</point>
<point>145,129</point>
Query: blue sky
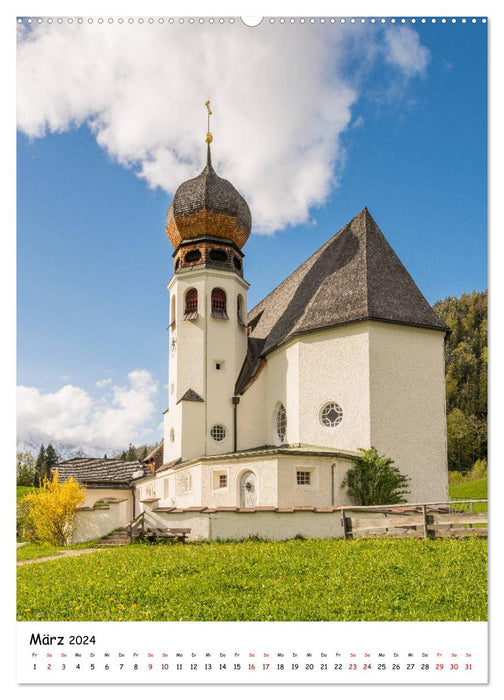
<point>398,126</point>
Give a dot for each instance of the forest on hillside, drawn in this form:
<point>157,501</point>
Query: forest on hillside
<point>466,354</point>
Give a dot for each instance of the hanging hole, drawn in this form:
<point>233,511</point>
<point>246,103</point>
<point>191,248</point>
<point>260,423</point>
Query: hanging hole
<point>251,21</point>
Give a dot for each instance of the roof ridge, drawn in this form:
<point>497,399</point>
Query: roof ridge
<point>313,255</point>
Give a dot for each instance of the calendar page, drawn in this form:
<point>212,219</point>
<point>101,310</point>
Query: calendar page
<point>252,349</point>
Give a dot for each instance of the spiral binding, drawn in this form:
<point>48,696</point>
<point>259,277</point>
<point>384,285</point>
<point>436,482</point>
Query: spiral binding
<point>271,20</point>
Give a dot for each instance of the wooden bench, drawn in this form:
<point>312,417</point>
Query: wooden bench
<point>177,533</point>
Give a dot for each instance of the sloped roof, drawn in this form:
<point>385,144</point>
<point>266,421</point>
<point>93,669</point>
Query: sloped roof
<point>355,276</point>
<point>191,395</point>
<point>105,472</point>
<point>155,456</point>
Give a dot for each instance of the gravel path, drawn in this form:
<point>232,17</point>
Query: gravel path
<point>64,553</point>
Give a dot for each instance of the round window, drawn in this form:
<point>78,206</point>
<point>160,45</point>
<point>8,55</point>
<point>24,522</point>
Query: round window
<point>218,432</point>
<point>331,415</point>
<point>281,422</point>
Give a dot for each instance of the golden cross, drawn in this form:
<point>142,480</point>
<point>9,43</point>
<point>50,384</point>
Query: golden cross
<point>209,135</point>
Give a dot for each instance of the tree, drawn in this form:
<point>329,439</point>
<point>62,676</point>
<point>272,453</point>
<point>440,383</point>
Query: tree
<point>373,480</point>
<point>51,460</point>
<point>131,454</point>
<point>40,466</point>
<point>50,510</point>
<point>25,469</point>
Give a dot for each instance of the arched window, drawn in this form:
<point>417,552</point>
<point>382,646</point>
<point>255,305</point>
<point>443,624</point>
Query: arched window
<point>173,319</point>
<point>239,309</point>
<point>191,300</point>
<point>218,303</point>
<point>281,422</point>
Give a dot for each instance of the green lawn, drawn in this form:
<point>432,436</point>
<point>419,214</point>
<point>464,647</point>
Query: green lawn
<point>470,489</point>
<point>254,580</point>
<point>478,488</point>
<point>38,551</point>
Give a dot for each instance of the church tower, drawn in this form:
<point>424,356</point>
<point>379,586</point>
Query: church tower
<point>208,223</point>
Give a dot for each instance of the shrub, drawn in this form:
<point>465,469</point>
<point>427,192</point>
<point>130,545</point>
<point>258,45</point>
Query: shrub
<point>479,470</point>
<point>373,480</point>
<point>51,510</point>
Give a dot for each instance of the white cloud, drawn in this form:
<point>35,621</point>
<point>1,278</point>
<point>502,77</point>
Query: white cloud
<point>282,96</point>
<point>405,51</point>
<point>70,415</point>
<point>103,383</point>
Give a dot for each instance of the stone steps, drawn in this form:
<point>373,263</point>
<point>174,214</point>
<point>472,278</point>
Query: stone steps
<point>115,539</point>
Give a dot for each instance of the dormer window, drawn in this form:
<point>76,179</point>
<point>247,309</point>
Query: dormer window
<point>191,304</point>
<point>218,304</point>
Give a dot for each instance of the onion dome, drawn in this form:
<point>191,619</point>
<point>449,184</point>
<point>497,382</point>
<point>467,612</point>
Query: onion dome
<point>208,205</point>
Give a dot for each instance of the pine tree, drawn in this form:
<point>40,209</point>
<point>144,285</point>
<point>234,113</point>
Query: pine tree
<point>131,454</point>
<point>51,460</point>
<point>40,466</point>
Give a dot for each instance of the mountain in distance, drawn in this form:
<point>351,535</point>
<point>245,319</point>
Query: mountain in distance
<point>64,450</point>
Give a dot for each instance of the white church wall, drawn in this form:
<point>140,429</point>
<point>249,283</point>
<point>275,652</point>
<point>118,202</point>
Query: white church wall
<point>191,429</point>
<point>265,470</point>
<point>408,405</point>
<point>172,433</point>
<point>265,524</point>
<point>90,524</point>
<point>226,349</point>
<point>334,367</point>
<point>251,417</point>
<point>325,477</point>
<point>95,495</point>
<point>275,526</point>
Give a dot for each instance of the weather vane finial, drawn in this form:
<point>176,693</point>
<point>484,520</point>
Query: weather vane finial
<point>208,137</point>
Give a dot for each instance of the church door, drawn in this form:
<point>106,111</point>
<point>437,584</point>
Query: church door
<point>248,492</point>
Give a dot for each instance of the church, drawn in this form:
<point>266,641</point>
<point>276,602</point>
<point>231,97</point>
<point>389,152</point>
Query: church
<point>267,409</point>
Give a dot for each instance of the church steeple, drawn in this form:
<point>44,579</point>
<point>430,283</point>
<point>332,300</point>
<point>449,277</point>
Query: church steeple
<point>208,222</point>
<point>210,212</point>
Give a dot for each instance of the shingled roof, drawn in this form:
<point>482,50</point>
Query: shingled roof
<point>206,205</point>
<point>99,473</point>
<point>355,276</point>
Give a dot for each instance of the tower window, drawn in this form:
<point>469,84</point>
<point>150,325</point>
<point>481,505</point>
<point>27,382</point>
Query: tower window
<point>218,432</point>
<point>218,303</point>
<point>239,309</point>
<point>192,256</point>
<point>237,263</point>
<point>191,304</point>
<point>281,422</point>
<point>218,255</point>
<point>173,318</point>
<point>331,415</point>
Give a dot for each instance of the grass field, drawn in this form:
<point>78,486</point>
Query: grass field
<point>38,551</point>
<point>255,580</point>
<point>478,488</point>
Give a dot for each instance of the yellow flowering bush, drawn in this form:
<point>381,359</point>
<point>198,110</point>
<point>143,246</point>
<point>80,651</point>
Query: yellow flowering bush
<point>51,510</point>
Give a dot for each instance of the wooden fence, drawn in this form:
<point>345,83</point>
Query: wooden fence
<point>444,519</point>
